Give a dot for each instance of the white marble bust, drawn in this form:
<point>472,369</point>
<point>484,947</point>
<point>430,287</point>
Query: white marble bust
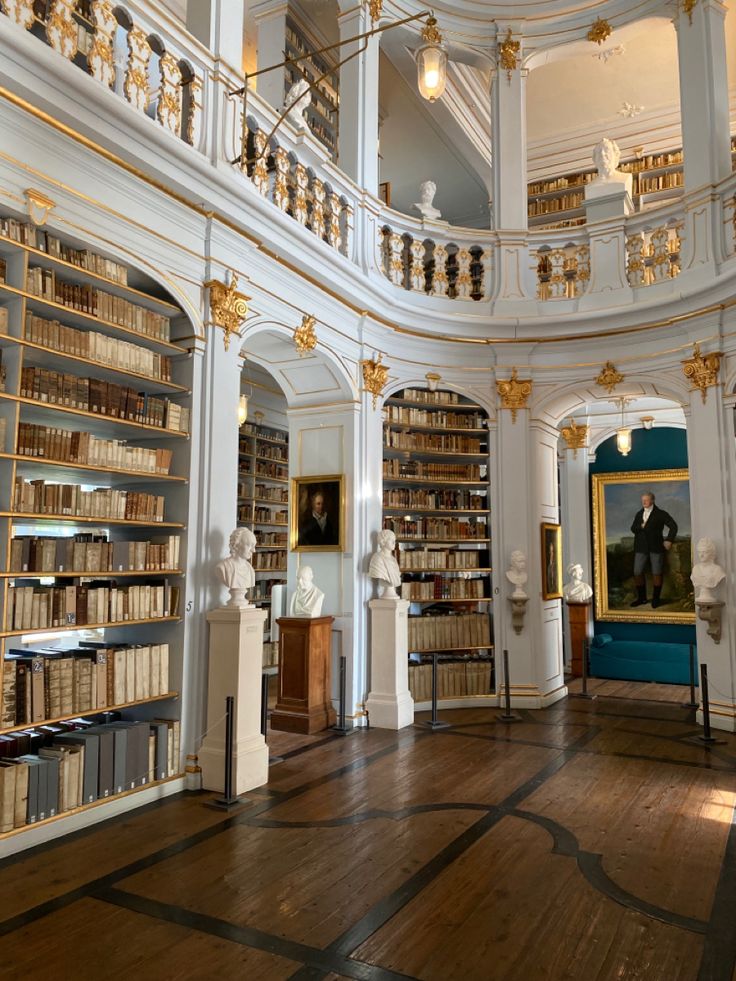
<point>517,574</point>
<point>707,575</point>
<point>236,572</point>
<point>307,599</point>
<point>300,91</point>
<point>576,591</point>
<point>606,157</point>
<point>425,207</point>
<point>384,568</point>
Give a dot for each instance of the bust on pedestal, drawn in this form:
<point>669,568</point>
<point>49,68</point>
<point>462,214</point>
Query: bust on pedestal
<point>235,663</point>
<point>611,184</point>
<point>577,595</point>
<point>307,598</point>
<point>389,705</point>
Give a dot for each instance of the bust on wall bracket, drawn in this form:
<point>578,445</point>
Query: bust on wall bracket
<point>707,576</point>
<point>518,576</point>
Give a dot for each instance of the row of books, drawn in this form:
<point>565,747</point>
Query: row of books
<point>98,303</point>
<point>437,419</point>
<point>440,558</point>
<point>267,538</point>
<point>84,762</point>
<point>3,270</point>
<point>548,206</point>
<point>87,552</point>
<point>48,607</point>
<point>265,516</point>
<point>428,397</point>
<point>652,161</point>
<point>264,492</point>
<point>419,470</point>
<point>269,562</point>
<point>661,182</point>
<point>277,435</point>
<point>440,529</point>
<point>46,684</point>
<point>103,398</point>
<point>270,655</point>
<point>29,234</point>
<point>399,440</point>
<point>82,447</point>
<point>454,631</point>
<point>94,346</point>
<point>442,587</point>
<point>560,183</point>
<point>266,452</point>
<point>434,500</point>
<point>272,470</point>
<point>40,497</point>
<point>454,679</point>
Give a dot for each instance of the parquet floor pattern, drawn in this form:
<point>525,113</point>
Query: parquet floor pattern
<point>592,841</point>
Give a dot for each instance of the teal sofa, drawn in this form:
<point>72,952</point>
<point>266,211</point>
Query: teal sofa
<point>632,660</point>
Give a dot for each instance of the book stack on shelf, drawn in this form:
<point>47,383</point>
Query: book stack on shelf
<point>94,450</point>
<point>439,510</point>
<point>263,502</point>
<point>323,111</point>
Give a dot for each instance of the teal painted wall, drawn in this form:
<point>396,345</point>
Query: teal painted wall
<point>660,448</point>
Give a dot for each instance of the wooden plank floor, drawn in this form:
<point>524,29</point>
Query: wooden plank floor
<point>592,841</point>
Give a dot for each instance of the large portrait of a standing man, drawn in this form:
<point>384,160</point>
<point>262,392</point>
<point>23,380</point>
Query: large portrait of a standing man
<point>643,546</point>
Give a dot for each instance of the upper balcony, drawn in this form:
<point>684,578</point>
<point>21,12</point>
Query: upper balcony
<point>506,281</point>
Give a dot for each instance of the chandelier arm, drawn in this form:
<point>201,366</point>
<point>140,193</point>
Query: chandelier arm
<point>331,47</point>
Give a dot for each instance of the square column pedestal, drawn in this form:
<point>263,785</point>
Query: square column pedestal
<point>235,665</point>
<point>304,701</point>
<point>579,618</point>
<point>389,705</point>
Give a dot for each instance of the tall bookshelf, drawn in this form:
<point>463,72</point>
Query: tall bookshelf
<point>323,111</point>
<point>94,467</point>
<point>559,202</point>
<point>263,502</point>
<point>436,499</point>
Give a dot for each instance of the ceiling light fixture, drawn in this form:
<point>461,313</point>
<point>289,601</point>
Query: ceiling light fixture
<point>623,433</point>
<point>431,59</point>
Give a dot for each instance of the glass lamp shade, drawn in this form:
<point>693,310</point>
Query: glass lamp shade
<point>623,441</point>
<point>242,410</point>
<point>432,71</point>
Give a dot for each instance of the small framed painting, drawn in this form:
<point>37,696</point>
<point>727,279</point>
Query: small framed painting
<point>384,192</point>
<point>551,561</point>
<point>317,514</point>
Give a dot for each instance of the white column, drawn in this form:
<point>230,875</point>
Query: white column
<point>525,496</point>
<point>219,25</point>
<point>701,47</point>
<point>235,663</point>
<point>389,704</point>
<point>710,439</point>
<point>509,202</point>
<point>270,17</point>
<point>575,516</point>
<point>358,134</point>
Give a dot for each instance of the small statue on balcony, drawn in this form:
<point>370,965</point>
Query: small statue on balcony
<point>297,101</point>
<point>576,591</point>
<point>235,571</point>
<point>384,568</point>
<point>707,575</point>
<point>427,191</point>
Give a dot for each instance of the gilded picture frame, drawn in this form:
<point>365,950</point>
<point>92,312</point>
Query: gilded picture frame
<point>551,561</point>
<point>317,514</point>
<point>616,500</point>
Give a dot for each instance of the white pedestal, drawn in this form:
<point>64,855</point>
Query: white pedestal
<point>389,704</point>
<point>609,199</point>
<point>235,663</point>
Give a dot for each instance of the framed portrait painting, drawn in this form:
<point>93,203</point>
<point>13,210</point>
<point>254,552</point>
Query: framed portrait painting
<point>317,514</point>
<point>551,561</point>
<point>642,544</point>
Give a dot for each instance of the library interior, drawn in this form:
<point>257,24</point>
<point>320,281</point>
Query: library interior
<point>367,482</point>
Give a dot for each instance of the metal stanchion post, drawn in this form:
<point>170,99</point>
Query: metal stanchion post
<point>434,722</point>
<point>264,704</point>
<point>584,693</point>
<point>693,704</point>
<point>340,726</point>
<point>507,715</point>
<point>228,799</point>
<point>706,738</point>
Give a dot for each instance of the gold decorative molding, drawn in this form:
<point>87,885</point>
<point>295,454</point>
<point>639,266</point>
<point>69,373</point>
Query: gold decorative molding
<point>375,8</point>
<point>375,376</point>
<point>39,206</point>
<point>609,377</point>
<point>600,31</point>
<point>688,6</point>
<point>305,337</point>
<point>228,308</point>
<point>702,370</point>
<point>508,54</point>
<point>430,31</point>
<point>514,392</point>
<point>575,436</point>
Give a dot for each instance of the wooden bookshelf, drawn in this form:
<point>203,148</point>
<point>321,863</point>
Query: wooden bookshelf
<point>134,349</point>
<point>324,109</point>
<point>441,509</point>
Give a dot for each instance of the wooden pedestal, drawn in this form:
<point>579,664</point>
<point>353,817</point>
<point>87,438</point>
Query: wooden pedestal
<point>579,615</point>
<point>304,703</point>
